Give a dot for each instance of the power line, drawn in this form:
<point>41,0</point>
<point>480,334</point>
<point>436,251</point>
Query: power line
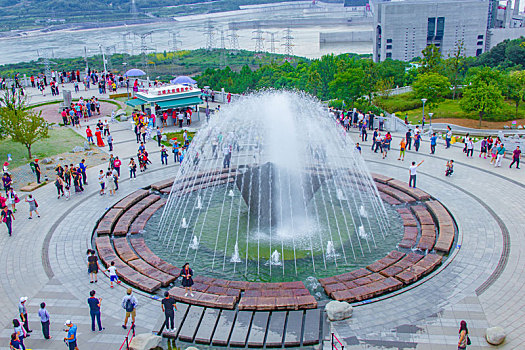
<point>234,37</point>
<point>273,41</point>
<point>259,40</point>
<point>223,49</point>
<point>144,48</point>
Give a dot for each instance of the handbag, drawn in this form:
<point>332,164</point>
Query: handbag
<point>17,200</point>
<point>4,219</point>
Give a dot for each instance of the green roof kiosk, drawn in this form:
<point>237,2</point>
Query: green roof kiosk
<point>167,97</point>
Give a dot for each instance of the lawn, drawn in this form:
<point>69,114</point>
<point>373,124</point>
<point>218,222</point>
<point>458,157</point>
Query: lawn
<point>401,104</point>
<point>60,140</point>
<point>178,135</point>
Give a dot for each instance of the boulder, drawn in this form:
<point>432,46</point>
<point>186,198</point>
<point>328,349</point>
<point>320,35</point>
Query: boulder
<point>77,149</point>
<point>46,161</point>
<point>90,153</point>
<point>59,159</point>
<point>164,138</point>
<point>495,335</point>
<point>50,167</point>
<point>338,310</point>
<point>123,118</point>
<point>145,341</point>
<point>120,113</point>
<point>86,146</point>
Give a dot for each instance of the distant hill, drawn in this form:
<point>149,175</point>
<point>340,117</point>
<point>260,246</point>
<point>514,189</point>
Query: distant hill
<point>31,14</point>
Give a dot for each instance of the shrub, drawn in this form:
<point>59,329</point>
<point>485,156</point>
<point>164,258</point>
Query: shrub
<point>399,103</point>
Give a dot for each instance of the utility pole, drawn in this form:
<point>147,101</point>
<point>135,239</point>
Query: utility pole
<point>223,49</point>
<point>103,58</point>
<point>133,9</point>
<point>272,42</point>
<point>144,47</point>
<point>125,37</point>
<point>209,36</point>
<point>86,59</point>
<point>47,62</point>
<point>175,47</point>
<point>288,44</point>
<point>259,40</point>
<point>234,37</point>
<point>108,50</point>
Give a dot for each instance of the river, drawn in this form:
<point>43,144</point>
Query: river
<point>306,26</point>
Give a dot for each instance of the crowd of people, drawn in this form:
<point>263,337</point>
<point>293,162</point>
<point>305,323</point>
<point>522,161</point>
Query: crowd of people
<point>83,109</point>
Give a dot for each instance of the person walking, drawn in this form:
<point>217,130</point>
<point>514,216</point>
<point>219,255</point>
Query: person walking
<point>110,183</point>
<point>59,184</point>
<point>12,199</point>
<point>36,170</point>
<point>464,339</point>
<point>164,155</point>
<point>71,339</point>
<point>102,182</point>
<point>470,148</point>
<point>113,277</point>
<point>483,151</point>
<point>93,267</point>
<point>129,303</point>
<point>132,169</point>
<point>32,206</point>
<point>187,278</point>
<point>44,320</point>
<point>20,332</point>
<point>500,153</point>
<point>7,219</point>
<point>413,173</point>
<point>115,175</point>
<point>159,135</point>
<point>408,137</point>
<point>16,342</point>
<point>82,167</point>
<point>22,311</point>
<point>110,141</point>
<point>417,141</point>
<point>448,136</point>
<point>169,307</point>
<point>433,142</point>
<point>94,311</point>
<point>89,135</point>
<point>402,148</point>
<point>116,165</point>
<point>516,157</point>
<point>450,168</point>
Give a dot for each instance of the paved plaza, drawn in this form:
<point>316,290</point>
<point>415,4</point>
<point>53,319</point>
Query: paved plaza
<point>482,281</point>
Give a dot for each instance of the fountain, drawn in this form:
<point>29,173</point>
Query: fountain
<point>235,256</point>
<point>195,243</point>
<point>275,194</point>
<point>199,203</point>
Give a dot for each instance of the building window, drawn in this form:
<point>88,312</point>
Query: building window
<point>389,47</point>
<point>389,41</point>
<point>440,28</point>
<point>478,52</point>
<point>389,55</point>
<point>480,43</point>
<point>431,28</point>
<point>480,37</point>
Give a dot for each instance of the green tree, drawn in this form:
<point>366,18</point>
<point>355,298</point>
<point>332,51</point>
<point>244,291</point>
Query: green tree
<point>384,86</point>
<point>483,94</point>
<point>432,86</point>
<point>23,124</point>
<point>370,78</point>
<point>515,87</point>
<point>455,66</point>
<point>347,85</point>
<point>431,60</point>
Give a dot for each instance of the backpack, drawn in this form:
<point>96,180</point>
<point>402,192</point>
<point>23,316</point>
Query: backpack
<point>129,306</point>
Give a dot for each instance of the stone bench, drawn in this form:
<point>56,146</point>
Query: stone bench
<point>157,186</point>
<point>152,272</point>
<point>151,258</point>
<point>124,250</point>
<point>392,257</point>
<point>389,199</point>
<point>397,194</point>
<point>125,221</point>
<point>409,237</point>
<point>428,237</point>
<point>138,225</point>
<point>445,224</point>
<point>267,303</point>
<point>107,255</point>
<point>126,202</point>
<point>381,178</point>
<point>414,192</point>
<point>203,299</point>
<point>105,225</point>
<point>421,268</point>
<point>202,186</point>
<point>408,261</point>
<point>369,290</point>
<point>423,215</point>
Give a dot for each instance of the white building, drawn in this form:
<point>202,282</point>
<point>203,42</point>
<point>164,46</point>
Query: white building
<point>403,28</point>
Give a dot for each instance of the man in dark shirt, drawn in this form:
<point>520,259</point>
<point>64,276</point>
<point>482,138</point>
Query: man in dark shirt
<point>94,310</point>
<point>409,139</point>
<point>168,304</point>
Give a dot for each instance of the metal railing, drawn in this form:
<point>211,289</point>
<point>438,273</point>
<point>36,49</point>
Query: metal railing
<point>335,341</point>
<point>128,339</point>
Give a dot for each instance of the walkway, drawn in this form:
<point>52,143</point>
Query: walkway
<point>45,260</point>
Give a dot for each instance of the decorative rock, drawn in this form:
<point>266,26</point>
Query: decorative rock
<point>50,167</point>
<point>90,153</point>
<point>495,335</point>
<point>164,138</point>
<point>145,341</point>
<point>77,149</point>
<point>123,118</point>
<point>46,161</point>
<point>338,310</point>
<point>120,113</point>
<point>59,158</point>
<point>86,145</point>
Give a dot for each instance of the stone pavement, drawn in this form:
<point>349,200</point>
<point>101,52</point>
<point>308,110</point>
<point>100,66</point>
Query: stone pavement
<point>45,260</point>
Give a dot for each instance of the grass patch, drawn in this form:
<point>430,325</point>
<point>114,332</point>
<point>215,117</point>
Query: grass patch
<point>178,135</point>
<point>60,140</point>
<point>446,109</point>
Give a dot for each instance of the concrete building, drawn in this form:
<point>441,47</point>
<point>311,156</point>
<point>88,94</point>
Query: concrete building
<point>404,28</point>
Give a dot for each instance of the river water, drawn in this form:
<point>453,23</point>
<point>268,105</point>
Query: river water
<point>305,28</point>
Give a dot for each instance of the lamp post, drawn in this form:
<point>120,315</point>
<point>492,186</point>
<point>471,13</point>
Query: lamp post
<point>423,100</point>
<point>430,114</point>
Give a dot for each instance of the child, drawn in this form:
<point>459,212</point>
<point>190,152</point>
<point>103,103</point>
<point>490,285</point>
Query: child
<point>402,147</point>
<point>113,274</point>
<point>450,168</point>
